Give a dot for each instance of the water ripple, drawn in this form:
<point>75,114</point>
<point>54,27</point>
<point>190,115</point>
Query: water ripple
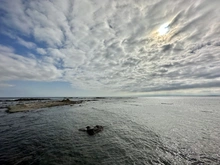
<point>51,136</point>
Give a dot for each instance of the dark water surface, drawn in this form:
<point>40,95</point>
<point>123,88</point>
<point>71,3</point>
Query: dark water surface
<point>136,131</point>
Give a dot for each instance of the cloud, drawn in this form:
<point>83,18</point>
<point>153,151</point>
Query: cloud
<point>29,45</point>
<point>5,85</point>
<point>41,51</point>
<point>17,67</point>
<point>114,45</point>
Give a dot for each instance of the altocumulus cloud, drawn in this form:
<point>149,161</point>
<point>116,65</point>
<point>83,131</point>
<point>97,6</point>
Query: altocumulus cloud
<point>112,45</point>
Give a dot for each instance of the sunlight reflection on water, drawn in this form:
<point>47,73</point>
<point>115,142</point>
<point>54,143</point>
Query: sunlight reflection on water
<point>136,131</point>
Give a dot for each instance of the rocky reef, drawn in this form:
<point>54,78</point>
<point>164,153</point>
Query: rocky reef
<point>21,107</point>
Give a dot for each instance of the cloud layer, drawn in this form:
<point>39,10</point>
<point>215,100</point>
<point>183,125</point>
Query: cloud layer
<point>113,45</point>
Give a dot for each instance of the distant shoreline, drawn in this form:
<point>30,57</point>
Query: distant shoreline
<point>38,104</point>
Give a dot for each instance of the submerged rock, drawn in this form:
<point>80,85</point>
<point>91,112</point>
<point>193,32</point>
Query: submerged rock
<point>92,131</point>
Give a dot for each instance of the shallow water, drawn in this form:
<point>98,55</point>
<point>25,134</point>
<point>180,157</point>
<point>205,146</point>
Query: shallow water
<point>136,131</point>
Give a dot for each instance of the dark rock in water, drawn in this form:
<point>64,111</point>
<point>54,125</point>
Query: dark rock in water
<point>31,99</point>
<point>92,131</point>
<point>66,100</point>
<point>99,97</point>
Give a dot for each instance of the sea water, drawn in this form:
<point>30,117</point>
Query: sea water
<point>147,130</point>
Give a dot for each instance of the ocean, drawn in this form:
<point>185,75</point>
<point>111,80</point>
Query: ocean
<point>137,131</point>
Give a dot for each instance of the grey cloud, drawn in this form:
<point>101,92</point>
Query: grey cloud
<point>183,86</point>
<point>114,45</point>
<point>166,47</point>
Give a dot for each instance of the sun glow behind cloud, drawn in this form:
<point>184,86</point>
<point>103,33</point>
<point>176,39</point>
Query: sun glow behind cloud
<point>163,29</point>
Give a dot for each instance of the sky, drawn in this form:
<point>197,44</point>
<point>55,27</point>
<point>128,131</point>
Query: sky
<point>109,48</point>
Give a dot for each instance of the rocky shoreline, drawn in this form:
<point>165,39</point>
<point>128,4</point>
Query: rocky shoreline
<point>42,104</point>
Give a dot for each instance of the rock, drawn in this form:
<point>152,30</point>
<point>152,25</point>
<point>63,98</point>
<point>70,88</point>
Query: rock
<point>42,104</point>
<point>66,100</point>
<point>31,99</point>
<point>92,131</point>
